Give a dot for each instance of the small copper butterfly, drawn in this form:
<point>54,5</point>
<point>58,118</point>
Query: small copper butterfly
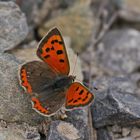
<point>48,82</point>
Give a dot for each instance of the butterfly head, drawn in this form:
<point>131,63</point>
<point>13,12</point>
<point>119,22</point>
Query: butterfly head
<point>72,78</point>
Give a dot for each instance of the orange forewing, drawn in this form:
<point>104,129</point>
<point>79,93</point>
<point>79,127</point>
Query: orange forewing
<point>52,51</point>
<point>77,96</point>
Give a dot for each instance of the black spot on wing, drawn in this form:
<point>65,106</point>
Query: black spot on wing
<point>81,92</point>
<point>70,101</point>
<point>61,60</point>
<point>52,48</point>
<point>77,89</point>
<point>85,98</point>
<point>47,56</point>
<point>47,49</point>
<point>52,42</point>
<point>74,101</point>
<point>60,42</point>
<point>59,52</point>
<point>56,40</point>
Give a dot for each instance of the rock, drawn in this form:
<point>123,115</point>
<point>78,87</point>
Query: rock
<point>103,134</point>
<point>47,9</point>
<point>15,104</point>
<point>135,133</point>
<point>117,136</point>
<point>8,0</point>
<point>19,132</point>
<point>116,105</point>
<point>74,125</point>
<point>135,77</point>
<point>76,23</point>
<point>13,26</point>
<point>126,131</point>
<point>26,52</point>
<point>122,83</point>
<point>60,130</point>
<point>77,116</point>
<point>29,9</point>
<point>126,138</point>
<point>129,11</point>
<point>116,129</point>
<point>37,11</point>
<point>112,54</point>
<point>109,8</point>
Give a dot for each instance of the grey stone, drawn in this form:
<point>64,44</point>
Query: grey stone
<point>15,104</point>
<point>116,105</point>
<point>129,12</point>
<point>8,0</point>
<point>116,129</point>
<point>29,8</point>
<point>13,26</point>
<point>126,131</point>
<point>37,11</point>
<point>119,52</point>
<point>79,118</point>
<point>103,134</point>
<point>126,138</point>
<point>135,133</point>
<point>123,83</point>
<point>74,126</point>
<point>60,130</point>
<point>18,132</point>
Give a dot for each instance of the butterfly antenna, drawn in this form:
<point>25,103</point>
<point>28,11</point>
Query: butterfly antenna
<point>75,63</point>
<point>86,84</point>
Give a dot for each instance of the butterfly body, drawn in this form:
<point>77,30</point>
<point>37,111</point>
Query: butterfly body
<point>48,82</point>
<point>63,82</point>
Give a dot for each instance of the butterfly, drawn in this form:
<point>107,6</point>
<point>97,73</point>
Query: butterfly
<point>48,81</point>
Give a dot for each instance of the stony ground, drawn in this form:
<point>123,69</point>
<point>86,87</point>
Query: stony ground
<point>106,35</point>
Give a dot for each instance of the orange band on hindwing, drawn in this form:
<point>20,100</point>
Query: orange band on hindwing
<point>25,82</point>
<point>38,106</point>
